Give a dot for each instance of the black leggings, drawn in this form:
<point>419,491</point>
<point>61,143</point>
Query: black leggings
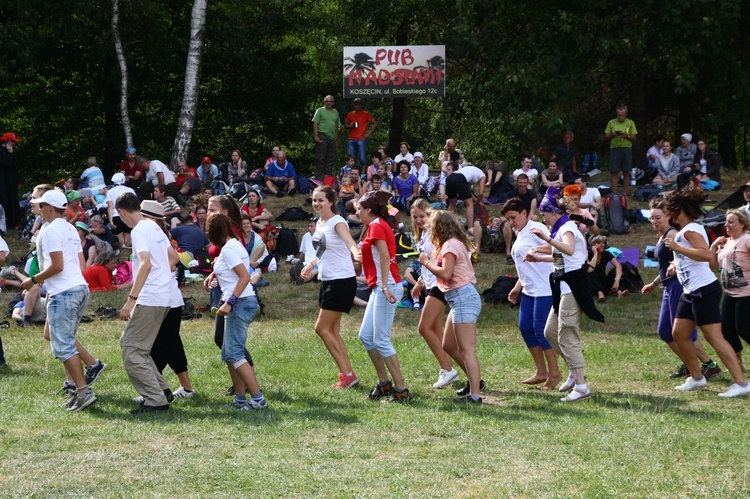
<point>735,320</point>
<point>168,349</point>
<point>219,335</point>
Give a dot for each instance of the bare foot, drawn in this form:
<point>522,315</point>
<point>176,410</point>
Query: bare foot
<point>551,382</point>
<point>535,379</point>
<point>620,294</point>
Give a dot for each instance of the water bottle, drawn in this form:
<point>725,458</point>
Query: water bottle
<point>633,173</point>
<point>417,306</point>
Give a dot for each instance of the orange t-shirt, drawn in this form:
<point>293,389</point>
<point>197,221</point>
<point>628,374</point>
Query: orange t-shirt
<point>362,118</point>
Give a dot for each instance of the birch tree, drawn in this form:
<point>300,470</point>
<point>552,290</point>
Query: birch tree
<point>189,108</point>
<point>124,115</point>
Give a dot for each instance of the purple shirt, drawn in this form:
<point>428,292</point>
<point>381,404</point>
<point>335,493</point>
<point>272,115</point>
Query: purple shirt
<point>404,188</point>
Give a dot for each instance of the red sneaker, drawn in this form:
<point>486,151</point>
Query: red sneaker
<point>347,380</point>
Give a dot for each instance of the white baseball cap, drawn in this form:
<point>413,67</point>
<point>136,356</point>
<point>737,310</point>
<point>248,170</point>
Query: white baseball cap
<point>53,198</point>
<point>118,178</point>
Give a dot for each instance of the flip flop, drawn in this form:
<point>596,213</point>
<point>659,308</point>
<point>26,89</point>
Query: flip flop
<point>4,325</point>
<point>572,397</point>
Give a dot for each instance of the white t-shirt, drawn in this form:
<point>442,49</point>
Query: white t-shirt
<point>653,151</point>
<point>176,294</point>
<point>114,193</point>
<point>157,290</point>
<point>533,174</point>
<point>563,263</point>
<point>94,176</point>
<point>232,254</point>
<point>424,245</point>
<point>4,247</point>
<point>399,157</point>
<point>422,174</point>
<point>61,236</point>
<point>155,167</point>
<point>306,247</point>
<point>591,194</point>
<point>534,276</point>
<point>334,258</point>
<point>472,174</point>
<point>692,274</point>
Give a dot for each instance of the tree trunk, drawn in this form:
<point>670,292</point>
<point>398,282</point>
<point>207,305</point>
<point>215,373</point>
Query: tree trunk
<point>727,146</point>
<point>186,121</point>
<point>124,116</point>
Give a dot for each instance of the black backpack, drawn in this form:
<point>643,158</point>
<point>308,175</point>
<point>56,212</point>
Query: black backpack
<point>615,209</point>
<point>647,192</point>
<point>500,289</point>
<point>631,278</point>
<point>286,242</point>
<point>293,214</point>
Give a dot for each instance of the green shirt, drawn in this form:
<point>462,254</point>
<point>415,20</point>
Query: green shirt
<point>626,126</point>
<point>328,122</point>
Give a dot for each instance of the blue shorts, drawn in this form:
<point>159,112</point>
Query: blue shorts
<point>236,324</point>
<point>64,312</point>
<point>465,304</point>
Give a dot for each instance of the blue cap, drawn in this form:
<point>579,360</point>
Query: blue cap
<point>129,150</point>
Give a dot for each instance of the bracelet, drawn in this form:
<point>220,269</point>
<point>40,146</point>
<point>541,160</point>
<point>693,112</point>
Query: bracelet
<point>232,300</point>
<point>134,298</point>
<point>33,279</point>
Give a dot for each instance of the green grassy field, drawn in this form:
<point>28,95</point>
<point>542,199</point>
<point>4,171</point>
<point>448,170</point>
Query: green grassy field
<point>636,437</point>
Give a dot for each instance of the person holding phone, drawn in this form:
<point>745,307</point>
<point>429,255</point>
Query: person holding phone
<point>621,134</point>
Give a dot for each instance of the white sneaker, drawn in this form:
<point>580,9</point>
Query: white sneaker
<point>691,384</point>
<point>181,393</point>
<point>446,378</point>
<point>139,400</point>
<point>8,272</point>
<point>736,390</point>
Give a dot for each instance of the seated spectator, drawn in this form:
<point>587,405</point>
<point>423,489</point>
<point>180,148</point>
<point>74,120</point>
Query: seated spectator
<point>528,170</point>
<point>349,163</point>
<point>260,216</point>
<point>591,198</point>
<point>603,283</point>
<point>375,157</point>
<point>581,216</point>
<point>274,155</point>
<point>655,150</point>
<point>172,210</point>
<point>189,237</point>
<point>376,184</point>
<point>99,274</point>
<point>87,243</point>
<point>157,173</point>
<point>707,162</point>
<point>254,244</point>
<point>307,254</point>
<point>74,211</point>
<point>403,155</point>
<point>405,186</point>
<point>200,216</point>
<point>93,178</point>
<point>495,170</point>
<point>686,151</point>
<point>448,149</point>
<point>235,170</point>
<point>495,237</point>
<point>386,160</point>
<point>32,309</point>
<point>131,169</point>
<point>102,231</point>
<point>386,178</point>
<point>420,169</point>
<point>207,171</point>
<point>667,166</point>
<point>345,204</point>
<point>551,176</point>
<point>411,276</point>
<point>527,196</point>
<point>281,177</point>
<point>187,180</point>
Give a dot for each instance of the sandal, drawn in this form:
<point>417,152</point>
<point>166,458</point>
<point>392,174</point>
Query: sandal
<point>535,380</point>
<point>568,385</point>
<point>576,395</point>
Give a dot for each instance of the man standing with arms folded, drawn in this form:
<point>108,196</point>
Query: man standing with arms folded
<point>326,124</point>
<point>358,122</point>
<point>148,303</point>
<point>621,133</point>
<point>67,291</point>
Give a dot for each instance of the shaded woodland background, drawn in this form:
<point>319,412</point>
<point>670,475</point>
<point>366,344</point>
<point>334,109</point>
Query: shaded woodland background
<point>518,75</point>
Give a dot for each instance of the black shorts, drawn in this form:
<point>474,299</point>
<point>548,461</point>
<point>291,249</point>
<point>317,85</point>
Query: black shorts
<point>456,186</point>
<point>702,306</point>
<point>118,226</point>
<point>436,293</point>
<point>338,295</point>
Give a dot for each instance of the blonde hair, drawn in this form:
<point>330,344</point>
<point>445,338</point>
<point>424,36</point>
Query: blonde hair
<point>444,225</point>
<point>425,206</point>
<point>742,217</point>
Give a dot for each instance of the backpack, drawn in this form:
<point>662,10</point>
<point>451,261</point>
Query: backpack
<point>615,209</point>
<point>303,184</point>
<point>204,262</point>
<point>404,245</point>
<point>631,278</point>
<point>645,176</point>
<point>500,289</point>
<point>238,190</point>
<point>647,192</point>
<point>294,214</point>
<point>270,235</point>
<point>287,242</point>
<point>258,176</point>
<point>589,163</point>
<point>123,273</point>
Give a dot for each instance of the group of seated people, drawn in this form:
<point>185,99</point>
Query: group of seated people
<point>693,158</point>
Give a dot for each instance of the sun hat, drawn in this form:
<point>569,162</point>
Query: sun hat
<point>152,209</point>
<point>73,196</point>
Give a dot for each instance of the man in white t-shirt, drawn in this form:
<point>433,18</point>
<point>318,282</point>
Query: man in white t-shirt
<point>458,186</point>
<point>528,169</point>
<point>118,227</point>
<point>156,173</point>
<point>67,291</point>
<point>591,198</point>
<point>148,303</point>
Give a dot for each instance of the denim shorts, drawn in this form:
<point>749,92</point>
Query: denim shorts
<point>64,312</point>
<point>465,304</point>
<point>236,324</point>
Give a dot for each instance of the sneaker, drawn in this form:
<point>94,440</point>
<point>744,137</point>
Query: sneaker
<point>253,405</point>
<point>509,260</point>
<point>736,390</point>
<point>292,191</point>
<point>289,258</point>
<point>381,391</point>
<point>682,372</point>
<point>229,391</point>
<point>234,404</point>
<point>68,388</point>
<point>399,396</point>
<point>93,372</point>
<point>142,409</point>
<point>710,371</point>
<point>8,272</point>
<point>213,315</point>
<point>83,401</point>
<point>691,384</point>
<point>463,392</point>
<point>181,393</point>
<point>71,400</point>
<point>446,378</point>
<point>167,393</point>
<point>469,399</point>
<point>139,400</point>
<point>346,380</point>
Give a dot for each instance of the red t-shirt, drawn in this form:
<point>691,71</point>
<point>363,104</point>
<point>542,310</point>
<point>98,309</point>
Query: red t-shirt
<point>181,178</point>
<point>246,209</point>
<point>98,278</point>
<point>129,171</point>
<point>379,230</point>
<point>362,118</point>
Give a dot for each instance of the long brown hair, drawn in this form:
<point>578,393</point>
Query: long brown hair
<point>444,226</point>
<point>219,229</point>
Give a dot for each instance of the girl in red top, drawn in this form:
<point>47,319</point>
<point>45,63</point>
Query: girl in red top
<point>379,263</point>
<point>259,214</point>
<point>99,275</point>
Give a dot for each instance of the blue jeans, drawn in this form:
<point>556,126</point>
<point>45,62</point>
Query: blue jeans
<point>236,324</point>
<point>531,320</point>
<point>64,312</point>
<point>375,332</point>
<point>358,149</point>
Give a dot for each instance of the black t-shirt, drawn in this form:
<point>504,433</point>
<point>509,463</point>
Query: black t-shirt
<point>527,198</point>
<point>189,238</point>
<point>564,156</point>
